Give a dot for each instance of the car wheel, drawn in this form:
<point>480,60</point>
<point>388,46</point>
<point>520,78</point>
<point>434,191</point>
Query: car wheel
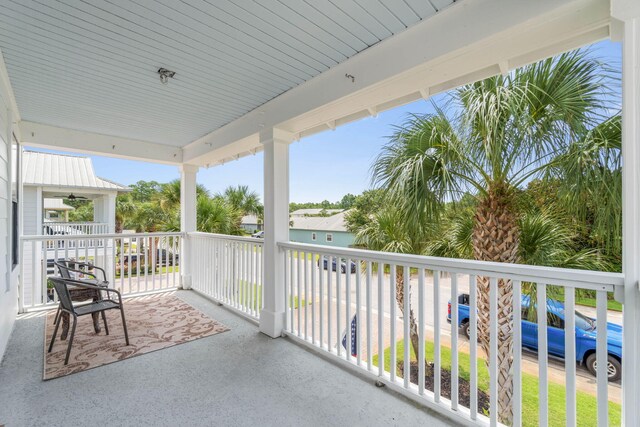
<point>614,367</point>
<point>342,270</point>
<point>466,329</point>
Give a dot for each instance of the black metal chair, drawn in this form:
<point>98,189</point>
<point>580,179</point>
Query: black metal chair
<point>71,269</point>
<point>100,306</point>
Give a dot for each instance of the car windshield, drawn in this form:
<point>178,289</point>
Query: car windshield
<point>584,322</point>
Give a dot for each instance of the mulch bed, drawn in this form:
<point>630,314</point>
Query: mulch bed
<point>464,387</point>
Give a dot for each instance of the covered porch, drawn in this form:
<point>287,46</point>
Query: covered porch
<point>241,377</point>
<point>400,53</point>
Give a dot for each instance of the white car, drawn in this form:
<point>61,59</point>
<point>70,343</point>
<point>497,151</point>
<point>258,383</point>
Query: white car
<point>258,235</point>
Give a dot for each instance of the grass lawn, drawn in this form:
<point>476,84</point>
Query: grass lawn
<point>162,270</point>
<point>253,295</point>
<point>591,302</point>
<point>302,302</point>
<point>586,403</point>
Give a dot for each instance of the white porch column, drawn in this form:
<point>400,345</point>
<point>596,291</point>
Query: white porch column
<point>628,11</point>
<point>276,227</point>
<point>188,217</point>
<point>105,211</point>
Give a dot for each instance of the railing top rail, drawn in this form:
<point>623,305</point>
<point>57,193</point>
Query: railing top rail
<point>530,273</point>
<point>74,223</point>
<point>226,237</point>
<point>45,237</point>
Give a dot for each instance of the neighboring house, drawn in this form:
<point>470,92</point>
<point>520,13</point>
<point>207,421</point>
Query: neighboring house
<point>313,212</point>
<point>321,230</point>
<point>47,176</point>
<point>251,223</point>
<point>55,210</point>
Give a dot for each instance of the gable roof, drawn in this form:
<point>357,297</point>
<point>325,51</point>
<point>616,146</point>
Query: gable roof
<point>62,170</point>
<point>314,211</point>
<point>321,223</point>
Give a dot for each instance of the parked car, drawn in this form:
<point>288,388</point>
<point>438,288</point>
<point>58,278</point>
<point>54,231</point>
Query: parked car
<point>167,257</point>
<point>585,334</point>
<point>258,235</point>
<point>334,264</point>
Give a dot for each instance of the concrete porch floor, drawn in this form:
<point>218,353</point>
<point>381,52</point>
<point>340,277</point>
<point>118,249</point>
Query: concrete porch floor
<point>236,378</point>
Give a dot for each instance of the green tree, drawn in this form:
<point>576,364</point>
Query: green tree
<point>388,231</point>
<point>214,215</point>
<point>169,194</point>
<point>144,191</point>
<point>363,208</point>
<point>492,137</point>
<point>347,201</point>
<point>125,209</point>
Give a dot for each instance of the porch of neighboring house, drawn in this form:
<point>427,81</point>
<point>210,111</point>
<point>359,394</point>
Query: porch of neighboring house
<point>298,330</point>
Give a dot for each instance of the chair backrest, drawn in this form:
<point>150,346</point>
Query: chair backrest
<point>64,296</point>
<point>63,268</point>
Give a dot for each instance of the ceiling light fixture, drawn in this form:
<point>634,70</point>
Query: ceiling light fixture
<point>165,75</point>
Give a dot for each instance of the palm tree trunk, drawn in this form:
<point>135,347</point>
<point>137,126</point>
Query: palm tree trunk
<point>400,296</point>
<point>496,238</point>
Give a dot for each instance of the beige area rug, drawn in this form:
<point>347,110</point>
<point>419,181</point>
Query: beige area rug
<point>154,322</point>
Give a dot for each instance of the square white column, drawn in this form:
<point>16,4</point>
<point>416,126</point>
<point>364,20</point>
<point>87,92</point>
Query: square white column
<point>276,227</point>
<point>628,13</point>
<point>188,220</point>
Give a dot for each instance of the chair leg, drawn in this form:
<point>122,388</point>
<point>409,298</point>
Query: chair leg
<point>104,319</point>
<point>73,332</point>
<point>55,332</point>
<point>124,324</point>
<point>55,320</point>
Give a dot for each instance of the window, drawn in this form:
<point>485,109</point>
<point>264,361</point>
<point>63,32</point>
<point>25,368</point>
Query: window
<point>15,173</point>
<point>313,236</point>
<point>329,237</point>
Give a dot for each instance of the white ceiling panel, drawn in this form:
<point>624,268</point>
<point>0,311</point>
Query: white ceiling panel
<point>91,65</point>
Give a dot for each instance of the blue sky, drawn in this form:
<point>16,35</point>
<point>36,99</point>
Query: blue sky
<point>325,166</point>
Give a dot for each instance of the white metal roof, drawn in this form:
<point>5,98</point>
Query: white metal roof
<point>61,170</point>
<point>92,65</point>
<point>314,211</point>
<point>249,220</point>
<point>320,223</point>
<point>56,205</point>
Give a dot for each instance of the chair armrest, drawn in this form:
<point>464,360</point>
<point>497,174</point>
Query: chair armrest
<point>104,273</point>
<point>81,284</point>
<point>91,266</point>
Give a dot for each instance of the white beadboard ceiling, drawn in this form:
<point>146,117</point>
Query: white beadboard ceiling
<point>91,65</point>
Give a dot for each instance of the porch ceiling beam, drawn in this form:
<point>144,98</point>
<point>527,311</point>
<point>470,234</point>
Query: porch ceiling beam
<point>46,136</point>
<point>466,42</point>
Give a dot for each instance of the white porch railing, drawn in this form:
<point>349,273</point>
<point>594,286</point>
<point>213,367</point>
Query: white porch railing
<point>74,228</point>
<point>326,309</point>
<point>134,263</point>
<point>228,269</point>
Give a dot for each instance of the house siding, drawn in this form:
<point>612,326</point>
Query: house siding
<point>342,239</point>
<point>8,276</point>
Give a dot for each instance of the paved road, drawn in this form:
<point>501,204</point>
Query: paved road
<point>585,381</point>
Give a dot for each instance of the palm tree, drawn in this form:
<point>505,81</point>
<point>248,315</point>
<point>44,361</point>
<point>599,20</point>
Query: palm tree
<point>125,209</point>
<point>214,215</point>
<point>242,201</point>
<point>169,194</point>
<point>491,138</point>
<point>387,231</point>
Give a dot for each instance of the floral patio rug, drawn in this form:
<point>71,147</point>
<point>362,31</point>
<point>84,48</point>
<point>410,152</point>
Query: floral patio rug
<point>154,322</point>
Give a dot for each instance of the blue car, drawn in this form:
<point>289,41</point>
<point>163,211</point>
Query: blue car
<point>585,335</point>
